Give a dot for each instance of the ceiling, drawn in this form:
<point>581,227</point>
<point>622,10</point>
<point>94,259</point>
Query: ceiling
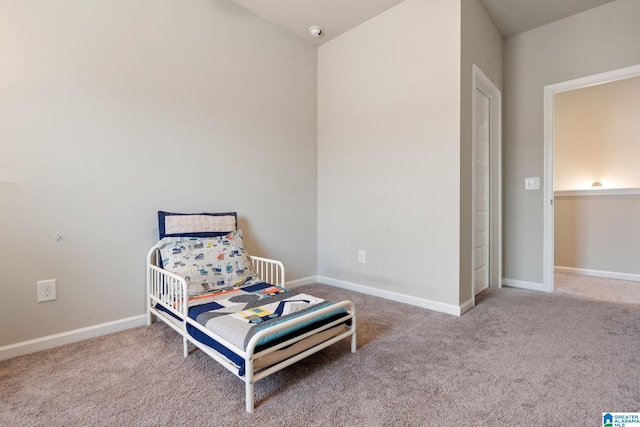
<point>517,16</point>
<point>338,16</point>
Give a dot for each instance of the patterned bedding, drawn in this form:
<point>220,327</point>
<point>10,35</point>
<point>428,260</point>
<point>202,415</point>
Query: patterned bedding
<point>238,314</point>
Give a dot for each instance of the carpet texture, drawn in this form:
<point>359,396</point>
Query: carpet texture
<point>612,290</point>
<point>518,358</point>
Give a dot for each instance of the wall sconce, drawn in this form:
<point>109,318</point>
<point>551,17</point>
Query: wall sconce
<point>596,185</point>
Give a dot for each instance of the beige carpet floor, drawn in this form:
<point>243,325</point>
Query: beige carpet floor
<point>597,288</point>
<point>519,358</point>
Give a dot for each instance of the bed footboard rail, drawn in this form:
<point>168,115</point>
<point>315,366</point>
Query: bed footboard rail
<point>249,354</point>
<point>251,376</point>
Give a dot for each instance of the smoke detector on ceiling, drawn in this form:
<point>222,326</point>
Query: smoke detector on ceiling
<point>315,31</point>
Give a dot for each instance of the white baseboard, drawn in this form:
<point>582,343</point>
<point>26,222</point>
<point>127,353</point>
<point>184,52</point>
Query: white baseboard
<point>51,341</point>
<point>395,296</point>
<point>304,281</point>
<point>598,273</point>
<point>468,305</point>
<point>45,343</point>
<point>523,285</point>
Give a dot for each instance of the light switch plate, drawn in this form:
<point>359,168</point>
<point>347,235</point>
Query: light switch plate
<point>532,183</point>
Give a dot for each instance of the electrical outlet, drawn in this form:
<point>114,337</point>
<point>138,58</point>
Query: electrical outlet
<point>46,290</point>
<point>362,256</point>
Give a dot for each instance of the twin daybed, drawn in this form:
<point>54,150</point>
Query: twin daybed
<point>235,307</point>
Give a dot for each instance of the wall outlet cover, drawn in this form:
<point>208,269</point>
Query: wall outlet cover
<point>46,290</point>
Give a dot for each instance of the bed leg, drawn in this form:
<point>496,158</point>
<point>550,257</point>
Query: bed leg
<point>248,379</point>
<point>250,396</point>
<point>185,344</point>
<point>353,337</point>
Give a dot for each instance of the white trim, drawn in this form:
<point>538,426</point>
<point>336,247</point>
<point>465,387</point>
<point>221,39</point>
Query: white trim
<point>51,341</point>
<point>598,273</point>
<point>395,296</point>
<point>597,192</point>
<point>549,92</point>
<point>547,200</point>
<point>482,83</point>
<point>467,305</point>
<point>521,284</point>
<point>299,282</point>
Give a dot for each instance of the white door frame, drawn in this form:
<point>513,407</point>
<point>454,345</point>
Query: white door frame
<point>482,83</point>
<point>549,92</point>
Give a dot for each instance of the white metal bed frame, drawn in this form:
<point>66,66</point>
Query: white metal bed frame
<point>170,291</point>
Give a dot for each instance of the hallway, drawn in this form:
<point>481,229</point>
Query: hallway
<point>612,290</point>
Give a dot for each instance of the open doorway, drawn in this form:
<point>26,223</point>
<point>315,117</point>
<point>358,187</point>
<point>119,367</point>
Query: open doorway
<point>591,185</point>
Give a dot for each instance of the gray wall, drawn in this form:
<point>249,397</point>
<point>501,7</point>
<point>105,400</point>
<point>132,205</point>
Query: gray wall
<point>481,45</point>
<point>389,152</point>
<point>599,40</point>
<point>388,148</point>
<point>598,232</point>
<point>113,110</point>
